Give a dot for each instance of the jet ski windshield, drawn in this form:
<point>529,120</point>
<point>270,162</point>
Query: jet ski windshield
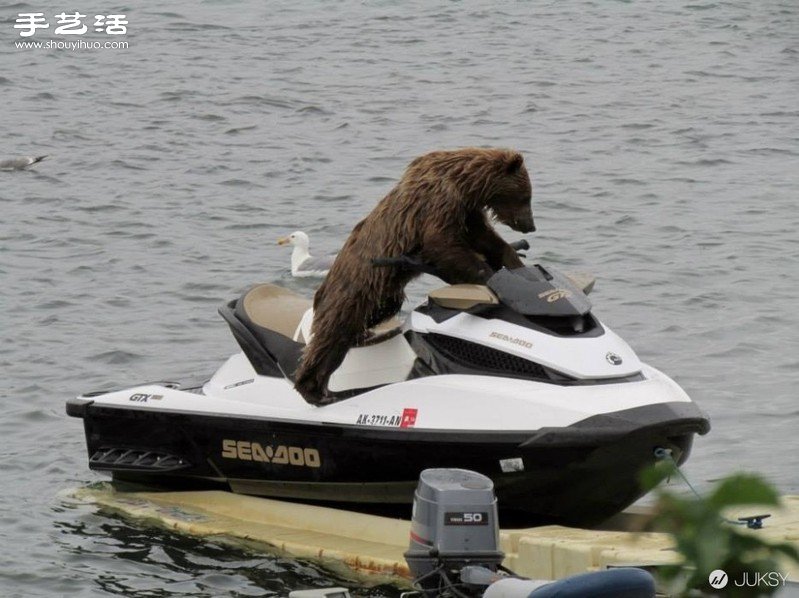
<point>536,291</point>
<point>529,291</point>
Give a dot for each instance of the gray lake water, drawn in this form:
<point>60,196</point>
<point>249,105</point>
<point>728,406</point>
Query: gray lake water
<point>663,143</point>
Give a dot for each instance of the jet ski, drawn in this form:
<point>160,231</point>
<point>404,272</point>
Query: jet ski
<point>516,379</point>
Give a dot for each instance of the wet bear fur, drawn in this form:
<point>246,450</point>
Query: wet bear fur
<point>439,212</point>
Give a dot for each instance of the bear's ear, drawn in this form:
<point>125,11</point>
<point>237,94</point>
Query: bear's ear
<point>514,163</point>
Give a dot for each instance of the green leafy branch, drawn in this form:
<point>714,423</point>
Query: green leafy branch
<point>707,541</point>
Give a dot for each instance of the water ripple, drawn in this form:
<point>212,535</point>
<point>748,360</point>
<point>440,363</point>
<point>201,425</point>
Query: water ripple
<point>662,147</point>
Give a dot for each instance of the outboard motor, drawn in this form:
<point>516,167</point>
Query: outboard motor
<point>454,524</point>
<point>454,548</point>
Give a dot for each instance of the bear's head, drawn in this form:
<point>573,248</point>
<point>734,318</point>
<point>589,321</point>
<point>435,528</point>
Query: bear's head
<point>509,194</point>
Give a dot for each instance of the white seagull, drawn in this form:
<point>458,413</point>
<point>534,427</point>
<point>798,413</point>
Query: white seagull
<point>303,264</point>
<point>20,163</point>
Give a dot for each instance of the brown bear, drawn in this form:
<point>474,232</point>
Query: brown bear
<point>439,212</point>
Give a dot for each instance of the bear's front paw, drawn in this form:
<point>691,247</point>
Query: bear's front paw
<point>309,391</point>
<point>484,273</point>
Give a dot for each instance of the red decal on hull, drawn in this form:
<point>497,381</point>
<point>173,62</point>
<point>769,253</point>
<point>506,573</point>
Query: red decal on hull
<point>408,418</point>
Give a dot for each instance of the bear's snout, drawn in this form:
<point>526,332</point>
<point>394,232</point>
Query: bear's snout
<point>524,224</point>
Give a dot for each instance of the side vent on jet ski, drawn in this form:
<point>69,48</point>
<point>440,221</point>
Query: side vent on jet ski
<point>479,357</point>
<point>136,460</point>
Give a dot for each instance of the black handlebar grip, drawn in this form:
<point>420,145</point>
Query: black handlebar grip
<point>520,245</point>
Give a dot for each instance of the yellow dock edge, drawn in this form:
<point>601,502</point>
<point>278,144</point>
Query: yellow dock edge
<point>371,548</point>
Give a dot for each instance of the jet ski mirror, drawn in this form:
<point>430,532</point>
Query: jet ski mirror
<point>520,245</point>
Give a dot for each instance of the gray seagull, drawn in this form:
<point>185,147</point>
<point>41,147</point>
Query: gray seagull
<point>20,163</point>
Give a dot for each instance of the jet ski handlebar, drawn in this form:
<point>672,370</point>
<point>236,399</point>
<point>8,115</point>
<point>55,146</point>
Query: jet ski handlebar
<point>409,262</point>
<point>520,245</point>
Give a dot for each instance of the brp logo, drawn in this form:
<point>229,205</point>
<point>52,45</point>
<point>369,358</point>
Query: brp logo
<point>718,579</point>
<point>613,359</point>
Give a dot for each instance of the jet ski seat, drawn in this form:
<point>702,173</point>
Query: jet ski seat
<point>283,311</point>
<point>463,296</point>
<point>272,324</point>
<point>274,308</point>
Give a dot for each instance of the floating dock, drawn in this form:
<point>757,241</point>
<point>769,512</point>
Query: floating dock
<point>372,547</point>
